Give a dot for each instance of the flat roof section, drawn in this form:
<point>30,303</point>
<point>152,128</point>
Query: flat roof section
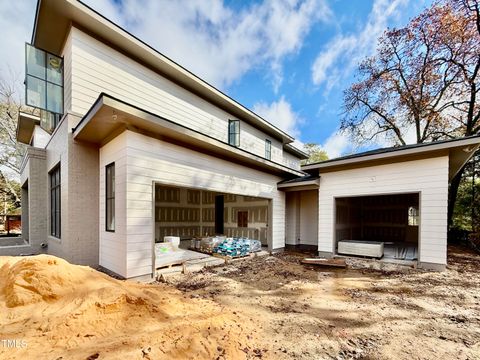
<point>459,151</point>
<point>109,117</point>
<point>25,126</point>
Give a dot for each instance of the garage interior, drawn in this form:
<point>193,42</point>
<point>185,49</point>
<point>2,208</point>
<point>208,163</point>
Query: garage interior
<point>192,213</point>
<point>389,219</point>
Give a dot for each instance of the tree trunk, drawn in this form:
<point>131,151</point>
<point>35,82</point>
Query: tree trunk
<point>452,195</point>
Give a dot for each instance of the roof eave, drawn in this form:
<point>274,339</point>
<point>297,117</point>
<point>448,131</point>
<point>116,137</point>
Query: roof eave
<point>129,117</point>
<point>394,153</point>
<point>78,13</point>
<point>25,127</point>
<point>295,151</point>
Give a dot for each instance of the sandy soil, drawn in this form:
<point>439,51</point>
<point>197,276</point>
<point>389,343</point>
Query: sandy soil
<point>372,312</point>
<point>266,307</point>
<point>56,310</point>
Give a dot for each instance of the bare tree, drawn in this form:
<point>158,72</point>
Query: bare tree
<point>422,84</point>
<point>11,152</point>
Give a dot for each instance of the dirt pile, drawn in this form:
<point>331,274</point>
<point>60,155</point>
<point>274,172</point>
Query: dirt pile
<point>64,311</point>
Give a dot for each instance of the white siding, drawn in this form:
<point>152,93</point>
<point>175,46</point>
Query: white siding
<point>113,245</point>
<point>291,161</point>
<point>429,177</point>
<point>145,160</point>
<point>67,74</point>
<point>308,217</point>
<point>40,137</point>
<point>292,217</point>
<point>97,68</point>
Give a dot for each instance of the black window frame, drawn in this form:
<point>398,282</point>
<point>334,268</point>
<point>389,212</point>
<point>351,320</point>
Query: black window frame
<point>268,149</point>
<point>110,197</point>
<point>234,136</point>
<point>55,206</point>
<point>45,79</point>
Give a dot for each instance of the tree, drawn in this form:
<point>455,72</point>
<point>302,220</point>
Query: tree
<point>11,152</point>
<point>422,83</point>
<point>315,153</point>
<point>467,207</point>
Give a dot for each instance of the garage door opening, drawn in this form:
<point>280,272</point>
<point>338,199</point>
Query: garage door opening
<point>365,223</point>
<point>192,213</point>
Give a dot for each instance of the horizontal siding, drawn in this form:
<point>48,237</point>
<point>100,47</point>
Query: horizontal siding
<point>113,245</point>
<point>151,160</point>
<point>428,176</point>
<point>308,218</point>
<point>291,161</point>
<point>292,217</point>
<point>93,67</point>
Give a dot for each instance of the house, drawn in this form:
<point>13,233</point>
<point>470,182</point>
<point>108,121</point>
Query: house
<point>131,147</point>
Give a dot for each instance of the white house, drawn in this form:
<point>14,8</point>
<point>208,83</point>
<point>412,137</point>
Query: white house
<point>130,147</point>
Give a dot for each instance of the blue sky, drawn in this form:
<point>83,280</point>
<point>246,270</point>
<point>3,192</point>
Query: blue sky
<point>288,60</point>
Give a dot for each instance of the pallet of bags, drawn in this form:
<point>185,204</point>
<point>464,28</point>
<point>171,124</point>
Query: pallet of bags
<point>208,244</point>
<point>255,245</point>
<point>233,247</point>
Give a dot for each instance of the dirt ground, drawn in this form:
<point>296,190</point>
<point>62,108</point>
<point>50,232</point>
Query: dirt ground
<point>266,307</point>
<point>372,312</point>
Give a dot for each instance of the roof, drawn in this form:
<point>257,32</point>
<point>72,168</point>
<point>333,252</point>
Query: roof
<point>460,150</point>
<point>54,18</point>
<point>299,180</point>
<point>98,127</point>
<point>25,126</point>
<point>308,182</point>
<point>295,151</point>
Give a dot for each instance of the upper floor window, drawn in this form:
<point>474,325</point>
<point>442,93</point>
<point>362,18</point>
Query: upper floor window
<point>234,132</point>
<point>110,197</point>
<point>268,149</point>
<point>55,202</point>
<point>44,84</point>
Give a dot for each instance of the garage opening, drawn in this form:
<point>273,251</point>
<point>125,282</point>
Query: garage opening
<point>378,226</point>
<point>191,214</point>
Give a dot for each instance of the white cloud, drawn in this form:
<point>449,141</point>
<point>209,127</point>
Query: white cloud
<point>16,23</point>
<point>280,114</point>
<point>215,41</point>
<point>337,144</point>
<point>342,54</point>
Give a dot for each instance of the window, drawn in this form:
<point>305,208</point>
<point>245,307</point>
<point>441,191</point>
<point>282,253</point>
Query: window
<point>44,80</point>
<point>110,197</point>
<point>55,202</point>
<point>234,132</point>
<point>242,219</point>
<point>268,149</point>
<point>413,216</point>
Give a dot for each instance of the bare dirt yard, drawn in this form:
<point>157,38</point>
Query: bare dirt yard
<point>268,307</point>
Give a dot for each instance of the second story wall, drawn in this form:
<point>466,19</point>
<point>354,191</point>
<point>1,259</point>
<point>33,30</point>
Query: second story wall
<point>92,67</point>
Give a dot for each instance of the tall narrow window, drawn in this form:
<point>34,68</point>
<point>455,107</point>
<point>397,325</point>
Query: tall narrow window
<point>55,202</point>
<point>234,132</point>
<point>110,197</point>
<point>268,149</point>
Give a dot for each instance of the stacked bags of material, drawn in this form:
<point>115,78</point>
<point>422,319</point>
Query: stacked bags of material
<point>237,247</point>
<point>207,245</point>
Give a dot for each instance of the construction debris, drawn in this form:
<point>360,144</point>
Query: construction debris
<point>325,262</point>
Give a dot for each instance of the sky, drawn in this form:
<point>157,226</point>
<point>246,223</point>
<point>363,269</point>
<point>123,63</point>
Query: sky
<point>287,60</point>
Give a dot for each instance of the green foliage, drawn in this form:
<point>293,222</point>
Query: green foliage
<point>315,154</point>
<point>466,213</point>
<point>9,202</point>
